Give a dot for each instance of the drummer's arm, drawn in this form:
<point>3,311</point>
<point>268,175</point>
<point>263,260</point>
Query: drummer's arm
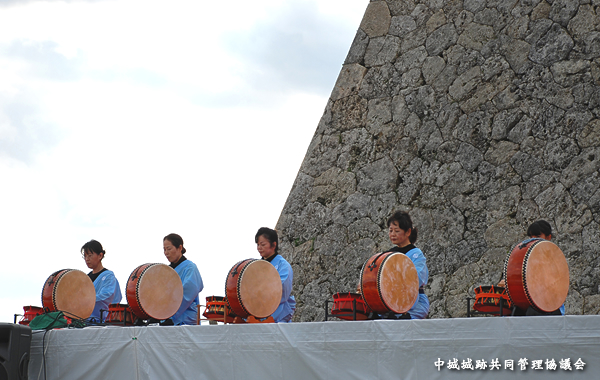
<point>287,277</point>
<point>106,286</point>
<point>192,285</point>
<point>421,266</point>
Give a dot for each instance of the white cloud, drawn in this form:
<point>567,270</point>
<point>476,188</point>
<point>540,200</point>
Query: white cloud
<point>42,59</point>
<point>125,121</point>
<point>23,130</point>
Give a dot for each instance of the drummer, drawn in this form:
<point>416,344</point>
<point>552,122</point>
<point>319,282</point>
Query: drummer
<point>404,235</point>
<point>537,230</point>
<point>190,278</point>
<point>540,229</point>
<point>107,287</point>
<point>267,245</point>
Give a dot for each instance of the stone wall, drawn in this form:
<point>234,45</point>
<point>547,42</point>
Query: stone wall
<point>478,117</point>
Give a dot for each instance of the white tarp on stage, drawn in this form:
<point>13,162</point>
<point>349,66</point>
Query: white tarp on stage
<point>401,349</point>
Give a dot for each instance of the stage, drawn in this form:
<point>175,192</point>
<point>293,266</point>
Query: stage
<point>404,349</point>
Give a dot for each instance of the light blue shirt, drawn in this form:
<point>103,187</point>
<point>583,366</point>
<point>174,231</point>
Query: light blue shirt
<point>107,291</point>
<point>421,307</point>
<point>287,305</point>
<point>192,286</point>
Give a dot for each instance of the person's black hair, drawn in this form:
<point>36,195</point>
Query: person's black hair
<point>176,240</point>
<point>404,222</point>
<point>270,235</point>
<point>92,246</point>
<point>539,227</point>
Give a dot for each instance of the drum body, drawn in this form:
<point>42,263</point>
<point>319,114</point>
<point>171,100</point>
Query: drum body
<point>119,314</point>
<point>154,291</point>
<point>253,288</point>
<point>215,309</point>
<point>537,275</point>
<point>70,291</point>
<point>389,282</point>
<point>30,312</point>
<point>487,300</point>
<point>346,303</point>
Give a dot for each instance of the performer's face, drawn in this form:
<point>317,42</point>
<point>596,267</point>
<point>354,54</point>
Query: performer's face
<point>398,236</point>
<point>173,254</point>
<point>92,259</point>
<point>265,248</point>
<point>542,236</point>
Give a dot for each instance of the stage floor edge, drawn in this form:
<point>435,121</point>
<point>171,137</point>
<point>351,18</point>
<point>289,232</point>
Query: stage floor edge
<point>403,349</point>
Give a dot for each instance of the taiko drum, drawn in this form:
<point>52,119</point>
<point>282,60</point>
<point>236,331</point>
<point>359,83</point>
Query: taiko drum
<point>389,282</point>
<point>253,288</point>
<point>537,275</point>
<point>487,300</point>
<point>119,314</point>
<point>215,309</point>
<point>29,313</point>
<point>70,291</point>
<point>346,305</point>
<point>154,291</point>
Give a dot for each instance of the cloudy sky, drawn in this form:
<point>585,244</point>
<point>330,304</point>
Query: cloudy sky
<point>123,121</point>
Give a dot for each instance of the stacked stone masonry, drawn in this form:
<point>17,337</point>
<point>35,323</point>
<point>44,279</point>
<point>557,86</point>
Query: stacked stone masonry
<point>478,117</point>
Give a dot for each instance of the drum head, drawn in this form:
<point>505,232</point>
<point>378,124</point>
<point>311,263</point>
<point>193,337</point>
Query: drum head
<point>160,291</point>
<point>547,276</point>
<point>399,283</point>
<point>75,294</point>
<point>260,288</point>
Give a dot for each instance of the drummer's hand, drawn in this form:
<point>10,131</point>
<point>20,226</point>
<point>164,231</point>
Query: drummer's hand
<point>502,283</point>
<point>358,289</point>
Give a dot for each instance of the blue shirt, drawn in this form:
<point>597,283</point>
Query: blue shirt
<point>421,307</point>
<point>107,291</point>
<point>192,285</point>
<point>287,305</point>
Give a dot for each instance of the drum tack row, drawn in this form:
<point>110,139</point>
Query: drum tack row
<point>154,292</point>
<point>536,273</point>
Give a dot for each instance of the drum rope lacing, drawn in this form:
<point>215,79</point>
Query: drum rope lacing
<point>215,307</point>
<point>490,296</point>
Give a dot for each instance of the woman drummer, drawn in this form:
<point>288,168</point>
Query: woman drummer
<point>539,229</point>
<point>404,235</point>
<point>190,278</point>
<point>267,245</point>
<point>107,287</point>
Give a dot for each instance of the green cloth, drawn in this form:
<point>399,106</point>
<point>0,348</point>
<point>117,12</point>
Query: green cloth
<point>48,321</point>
